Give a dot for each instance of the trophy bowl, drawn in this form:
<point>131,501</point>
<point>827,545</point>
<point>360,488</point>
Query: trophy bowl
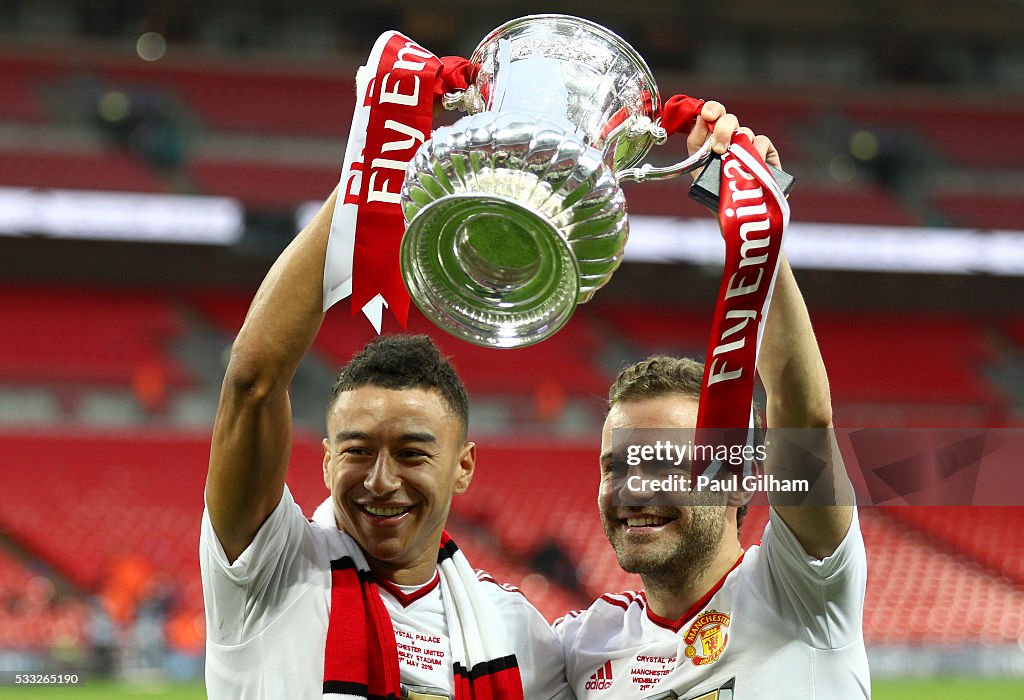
<point>514,213</point>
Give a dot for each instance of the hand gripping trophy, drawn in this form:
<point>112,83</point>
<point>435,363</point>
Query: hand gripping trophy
<point>515,214</point>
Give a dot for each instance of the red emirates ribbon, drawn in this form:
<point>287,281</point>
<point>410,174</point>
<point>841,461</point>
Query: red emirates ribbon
<point>753,213</point>
<point>393,117</point>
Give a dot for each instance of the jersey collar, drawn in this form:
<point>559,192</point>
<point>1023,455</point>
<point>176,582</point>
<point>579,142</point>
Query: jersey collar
<point>410,597</point>
<point>676,625</point>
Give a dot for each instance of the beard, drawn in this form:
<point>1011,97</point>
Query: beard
<point>685,553</point>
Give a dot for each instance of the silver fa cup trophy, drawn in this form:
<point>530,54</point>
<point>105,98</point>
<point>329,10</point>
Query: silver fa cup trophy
<point>515,213</point>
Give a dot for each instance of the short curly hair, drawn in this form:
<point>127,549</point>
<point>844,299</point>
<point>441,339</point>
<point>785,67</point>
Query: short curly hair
<point>658,375</point>
<point>662,375</point>
<point>405,362</point>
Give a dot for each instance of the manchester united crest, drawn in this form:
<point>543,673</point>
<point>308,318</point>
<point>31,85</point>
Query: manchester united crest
<point>707,637</point>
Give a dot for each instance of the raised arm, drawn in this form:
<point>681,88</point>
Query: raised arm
<point>793,374</point>
<point>253,429</point>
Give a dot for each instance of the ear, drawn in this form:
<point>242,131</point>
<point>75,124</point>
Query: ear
<point>737,499</point>
<point>467,465</point>
<point>327,463</point>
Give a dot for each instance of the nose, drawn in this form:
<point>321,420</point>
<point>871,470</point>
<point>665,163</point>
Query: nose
<point>629,487</point>
<point>635,489</point>
<point>382,479</point>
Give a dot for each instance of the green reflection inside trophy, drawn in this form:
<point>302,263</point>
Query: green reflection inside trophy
<point>500,249</point>
<point>491,268</point>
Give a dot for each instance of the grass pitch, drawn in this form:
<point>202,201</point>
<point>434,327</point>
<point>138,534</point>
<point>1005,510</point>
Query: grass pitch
<point>932,689</point>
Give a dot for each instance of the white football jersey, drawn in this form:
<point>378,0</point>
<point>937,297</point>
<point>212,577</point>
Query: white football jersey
<point>267,615</point>
<point>780,625</point>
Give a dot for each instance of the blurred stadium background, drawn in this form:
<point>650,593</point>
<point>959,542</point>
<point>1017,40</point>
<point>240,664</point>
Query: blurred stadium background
<point>155,156</point>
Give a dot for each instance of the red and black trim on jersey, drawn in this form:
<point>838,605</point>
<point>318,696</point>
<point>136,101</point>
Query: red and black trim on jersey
<point>677,624</point>
<point>407,599</point>
<point>625,599</point>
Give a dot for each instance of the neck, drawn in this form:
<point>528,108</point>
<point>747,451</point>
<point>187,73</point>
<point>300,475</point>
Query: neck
<point>672,592</point>
<point>406,573</point>
<point>411,575</point>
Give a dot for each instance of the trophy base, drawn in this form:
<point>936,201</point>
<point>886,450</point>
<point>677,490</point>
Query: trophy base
<point>489,270</point>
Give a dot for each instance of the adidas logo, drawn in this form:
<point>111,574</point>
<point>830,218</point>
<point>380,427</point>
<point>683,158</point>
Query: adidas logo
<point>601,679</point>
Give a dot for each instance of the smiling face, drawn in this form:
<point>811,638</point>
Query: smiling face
<point>393,460</point>
<point>648,538</point>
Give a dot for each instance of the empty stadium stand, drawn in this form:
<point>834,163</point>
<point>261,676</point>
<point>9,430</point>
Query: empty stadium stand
<point>109,169</point>
<point>849,204</point>
<point>75,336</point>
<point>18,99</point>
<point>921,593</point>
<point>247,98</point>
<point>899,358</point>
<point>264,185</point>
<point>317,102</point>
<point>949,128</point>
<point>988,536</point>
<point>980,209</point>
<point>568,359</point>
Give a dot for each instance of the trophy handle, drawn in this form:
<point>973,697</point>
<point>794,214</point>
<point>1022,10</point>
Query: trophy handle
<point>468,100</point>
<point>648,172</point>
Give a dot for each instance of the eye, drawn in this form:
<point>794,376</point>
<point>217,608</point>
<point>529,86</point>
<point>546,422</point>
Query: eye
<point>356,451</point>
<point>411,453</point>
<point>668,467</point>
<point>614,468</point>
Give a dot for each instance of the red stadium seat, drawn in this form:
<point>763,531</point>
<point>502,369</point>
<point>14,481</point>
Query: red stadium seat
<point>990,536</point>
<point>19,97</point>
<point>981,209</point>
<point>898,358</point>
<point>106,170</point>
<point>264,185</point>
<point>565,361</point>
<point>82,336</point>
<point>851,204</point>
<point>918,593</point>
<point>250,101</point>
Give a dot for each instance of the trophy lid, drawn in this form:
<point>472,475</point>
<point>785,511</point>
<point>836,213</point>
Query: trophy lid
<point>568,68</point>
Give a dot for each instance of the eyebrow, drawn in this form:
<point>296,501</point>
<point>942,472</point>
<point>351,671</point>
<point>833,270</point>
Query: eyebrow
<point>344,435</point>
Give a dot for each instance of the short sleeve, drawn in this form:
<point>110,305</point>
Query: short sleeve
<point>565,628</point>
<point>539,653</point>
<point>548,661</point>
<point>241,597</point>
<point>824,597</point>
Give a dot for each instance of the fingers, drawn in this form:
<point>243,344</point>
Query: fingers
<point>721,137</point>
<point>716,121</point>
<point>767,149</point>
<point>710,113</point>
<point>764,146</point>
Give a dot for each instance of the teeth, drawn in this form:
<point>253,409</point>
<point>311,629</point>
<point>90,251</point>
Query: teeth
<point>645,521</point>
<point>384,512</point>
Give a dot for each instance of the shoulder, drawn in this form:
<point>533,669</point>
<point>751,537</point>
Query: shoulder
<point>781,546</point>
<point>509,600</point>
<point>609,612</point>
<point>503,589</point>
<point>624,600</point>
